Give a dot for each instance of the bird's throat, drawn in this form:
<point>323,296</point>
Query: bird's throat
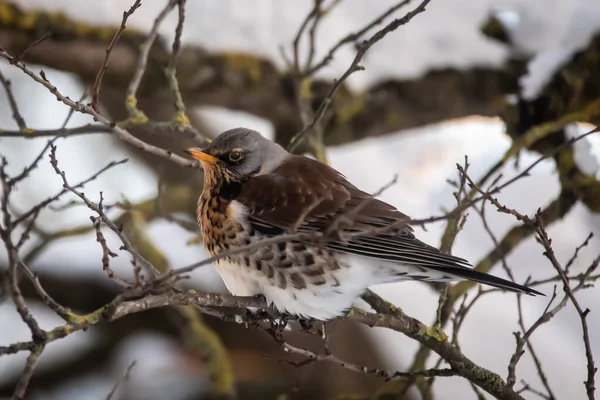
<point>220,185</point>
<point>213,207</point>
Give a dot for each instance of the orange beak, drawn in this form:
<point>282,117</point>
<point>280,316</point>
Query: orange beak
<point>198,154</point>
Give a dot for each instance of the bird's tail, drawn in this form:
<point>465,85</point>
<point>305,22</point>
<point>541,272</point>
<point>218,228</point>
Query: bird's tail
<point>486,279</point>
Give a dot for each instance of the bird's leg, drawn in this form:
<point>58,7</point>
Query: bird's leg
<point>306,324</point>
<point>321,331</point>
<point>278,325</point>
<point>254,315</point>
<point>283,321</point>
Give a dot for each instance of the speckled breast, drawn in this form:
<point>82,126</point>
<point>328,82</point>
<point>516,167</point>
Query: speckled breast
<point>220,232</point>
<point>285,264</point>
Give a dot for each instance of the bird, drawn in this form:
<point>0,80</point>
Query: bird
<point>342,240</point>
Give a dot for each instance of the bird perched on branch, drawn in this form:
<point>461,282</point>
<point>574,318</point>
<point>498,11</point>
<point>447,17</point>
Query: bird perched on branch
<point>326,240</point>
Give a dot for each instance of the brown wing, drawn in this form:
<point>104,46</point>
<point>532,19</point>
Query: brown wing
<point>305,190</point>
<point>312,195</point>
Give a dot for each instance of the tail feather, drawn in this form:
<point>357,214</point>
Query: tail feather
<point>486,279</point>
<point>410,258</point>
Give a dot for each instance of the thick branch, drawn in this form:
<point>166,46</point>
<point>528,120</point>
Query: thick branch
<point>392,318</point>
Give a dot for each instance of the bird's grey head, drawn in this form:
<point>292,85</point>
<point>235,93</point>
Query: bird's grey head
<point>240,154</point>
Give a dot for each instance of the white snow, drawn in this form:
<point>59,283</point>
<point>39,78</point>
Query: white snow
<point>583,22</point>
<point>587,149</point>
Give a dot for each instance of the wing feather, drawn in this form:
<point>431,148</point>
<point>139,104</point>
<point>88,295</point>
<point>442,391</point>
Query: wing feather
<point>311,196</point>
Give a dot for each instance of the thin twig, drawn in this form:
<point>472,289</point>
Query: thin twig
<point>522,339</point>
<point>311,357</point>
<point>591,368</point>
<point>61,132</point>
<point>27,170</point>
<point>113,42</point>
<point>13,103</point>
<point>585,243</point>
<point>546,242</point>
<point>72,111</point>
<point>130,101</point>
<point>527,388</point>
<point>106,252</point>
<point>127,246</point>
<point>170,71</point>
<point>39,40</point>
<point>44,296</point>
<point>353,37</point>
<point>6,229</point>
<point>21,388</point>
<point>450,236</point>
<point>120,132</point>
<point>121,380</point>
<point>313,14</point>
<point>354,66</point>
<point>16,294</point>
<point>39,206</point>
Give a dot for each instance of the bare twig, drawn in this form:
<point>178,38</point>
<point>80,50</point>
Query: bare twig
<point>392,319</point>
<point>354,66</point>
<point>591,368</point>
<point>533,353</point>
<point>450,236</point>
<point>437,342</point>
<point>27,170</point>
<point>312,15</point>
<point>17,296</point>
<point>113,42</point>
<point>585,243</point>
<point>106,252</point>
<point>121,380</point>
<point>311,357</point>
<point>27,373</point>
<point>28,228</point>
<point>44,296</point>
<point>120,132</point>
<point>72,111</point>
<point>522,339</point>
<point>461,314</point>
<point>33,44</point>
<point>527,388</point>
<point>35,209</point>
<point>352,38</point>
<point>62,132</point>
<point>6,229</point>
<point>130,101</point>
<point>13,103</point>
<point>170,71</point>
<point>95,207</point>
<point>546,242</point>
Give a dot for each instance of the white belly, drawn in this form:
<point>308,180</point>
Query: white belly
<point>240,281</point>
<point>321,302</point>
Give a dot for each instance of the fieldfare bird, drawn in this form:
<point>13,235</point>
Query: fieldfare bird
<point>255,190</point>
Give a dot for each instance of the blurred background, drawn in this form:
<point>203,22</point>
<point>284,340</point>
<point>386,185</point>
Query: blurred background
<point>463,78</point>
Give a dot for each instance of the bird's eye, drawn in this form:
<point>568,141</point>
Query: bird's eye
<point>235,155</point>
